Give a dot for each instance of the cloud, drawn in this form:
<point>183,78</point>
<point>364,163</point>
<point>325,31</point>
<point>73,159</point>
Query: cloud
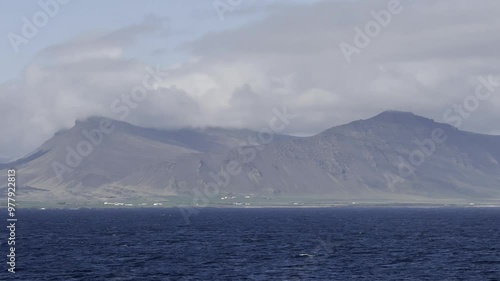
<point>69,81</point>
<point>427,59</point>
<point>103,45</point>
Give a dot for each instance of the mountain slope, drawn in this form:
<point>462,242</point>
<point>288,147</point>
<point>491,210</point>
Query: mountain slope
<point>85,161</point>
<point>375,159</point>
<point>394,155</point>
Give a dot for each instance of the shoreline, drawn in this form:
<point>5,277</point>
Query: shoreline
<point>42,206</point>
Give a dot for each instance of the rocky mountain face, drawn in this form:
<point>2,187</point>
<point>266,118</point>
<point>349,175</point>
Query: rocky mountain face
<point>394,155</point>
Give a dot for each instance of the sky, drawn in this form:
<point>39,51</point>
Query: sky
<point>232,63</point>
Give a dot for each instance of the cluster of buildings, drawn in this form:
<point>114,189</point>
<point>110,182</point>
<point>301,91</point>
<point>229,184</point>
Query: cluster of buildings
<point>130,204</point>
<point>241,203</point>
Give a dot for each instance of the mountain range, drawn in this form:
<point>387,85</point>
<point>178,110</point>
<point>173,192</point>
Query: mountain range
<point>394,155</point>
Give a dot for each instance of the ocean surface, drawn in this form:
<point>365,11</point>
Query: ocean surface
<point>258,244</point>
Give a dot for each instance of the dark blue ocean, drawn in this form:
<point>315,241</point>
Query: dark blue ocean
<point>257,244</point>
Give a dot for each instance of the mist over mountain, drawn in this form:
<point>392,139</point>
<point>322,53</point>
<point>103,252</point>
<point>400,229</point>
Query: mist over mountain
<point>394,155</point>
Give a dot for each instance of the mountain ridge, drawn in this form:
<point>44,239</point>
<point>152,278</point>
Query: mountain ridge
<point>361,159</point>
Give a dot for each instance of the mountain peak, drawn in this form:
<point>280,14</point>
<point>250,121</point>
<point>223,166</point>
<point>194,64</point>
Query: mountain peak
<point>395,116</point>
<point>396,113</point>
<point>92,120</point>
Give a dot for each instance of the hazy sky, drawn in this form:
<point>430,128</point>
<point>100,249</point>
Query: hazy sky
<point>230,62</point>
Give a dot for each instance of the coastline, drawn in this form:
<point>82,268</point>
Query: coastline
<point>337,205</point>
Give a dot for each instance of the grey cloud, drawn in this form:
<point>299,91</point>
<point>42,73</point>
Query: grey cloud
<point>426,60</point>
<point>101,42</point>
